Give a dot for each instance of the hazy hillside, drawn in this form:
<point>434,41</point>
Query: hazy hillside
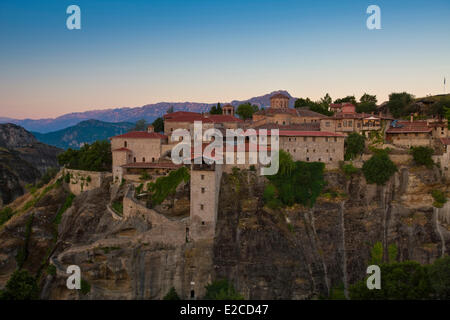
<point>84,132</point>
<point>148,112</point>
<point>23,160</point>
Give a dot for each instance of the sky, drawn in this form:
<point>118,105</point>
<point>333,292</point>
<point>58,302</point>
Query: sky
<point>129,53</point>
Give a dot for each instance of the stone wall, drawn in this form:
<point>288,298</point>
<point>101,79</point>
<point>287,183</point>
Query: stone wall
<point>323,149</point>
<point>81,181</point>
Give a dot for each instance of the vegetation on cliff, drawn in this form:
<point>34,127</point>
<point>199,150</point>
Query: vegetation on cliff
<point>93,157</point>
<point>21,286</point>
<point>167,185</point>
<point>354,145</point>
<point>222,290</point>
<point>422,156</point>
<point>379,168</point>
<point>296,182</point>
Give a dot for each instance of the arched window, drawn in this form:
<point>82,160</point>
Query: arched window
<point>125,144</point>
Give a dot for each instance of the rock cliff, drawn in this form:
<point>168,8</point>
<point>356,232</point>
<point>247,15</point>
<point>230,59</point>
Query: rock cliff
<point>294,253</point>
<point>23,160</point>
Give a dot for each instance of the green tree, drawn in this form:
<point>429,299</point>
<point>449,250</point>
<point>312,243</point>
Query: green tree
<point>354,145</point>
<point>367,103</point>
<point>171,295</point>
<point>347,99</point>
<point>298,182</point>
<point>399,281</point>
<point>246,110</point>
<point>379,168</point>
<point>422,156</point>
<point>216,109</point>
<point>94,157</point>
<point>158,125</point>
<point>319,107</point>
<point>377,253</point>
<point>222,290</point>
<point>399,104</point>
<point>439,275</point>
<point>21,286</point>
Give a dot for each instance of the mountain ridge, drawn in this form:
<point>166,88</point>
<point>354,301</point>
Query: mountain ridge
<point>148,112</point>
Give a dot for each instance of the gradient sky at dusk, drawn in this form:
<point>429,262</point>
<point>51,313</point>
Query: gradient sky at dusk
<point>134,52</point>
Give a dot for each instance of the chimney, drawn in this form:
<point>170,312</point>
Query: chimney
<point>150,129</point>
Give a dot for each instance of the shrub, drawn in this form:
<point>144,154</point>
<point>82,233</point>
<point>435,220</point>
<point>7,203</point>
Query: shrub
<point>118,207</point>
<point>399,281</point>
<point>67,178</point>
<point>298,182</point>
<point>171,295</point>
<point>354,145</point>
<point>422,156</point>
<point>252,167</point>
<point>145,176</point>
<point>222,290</point>
<point>165,186</point>
<point>139,188</point>
<point>21,286</point>
<point>85,287</point>
<point>349,169</point>
<point>51,269</point>
<point>439,274</point>
<point>67,204</point>
<point>5,214</point>
<point>379,168</point>
<point>439,198</point>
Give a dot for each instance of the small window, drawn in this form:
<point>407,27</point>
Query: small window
<point>331,159</point>
<point>314,139</point>
<point>192,294</point>
<point>143,159</point>
<point>203,190</point>
<point>125,144</point>
<point>153,159</point>
<point>307,159</point>
<point>327,124</point>
<point>202,207</point>
<point>134,159</point>
<point>203,223</point>
<point>203,177</point>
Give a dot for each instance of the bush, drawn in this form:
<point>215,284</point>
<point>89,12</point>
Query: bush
<point>298,182</point>
<point>379,168</point>
<point>5,214</point>
<point>422,156</point>
<point>439,274</point>
<point>354,145</point>
<point>117,206</point>
<point>165,186</point>
<point>349,169</point>
<point>145,176</point>
<point>439,198</point>
<point>21,286</point>
<point>222,290</point>
<point>85,287</point>
<point>67,204</point>
<point>399,281</point>
<point>171,295</point>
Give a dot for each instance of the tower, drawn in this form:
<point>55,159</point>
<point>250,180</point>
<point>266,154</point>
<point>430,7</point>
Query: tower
<point>205,186</point>
<point>228,110</point>
<point>279,101</point>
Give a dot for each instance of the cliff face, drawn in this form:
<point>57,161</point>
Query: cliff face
<point>23,160</point>
<point>304,253</point>
<point>296,253</point>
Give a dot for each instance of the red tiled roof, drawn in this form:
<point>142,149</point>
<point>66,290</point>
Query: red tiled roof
<point>445,141</point>
<point>141,135</point>
<point>150,165</point>
<point>122,149</point>
<point>410,127</point>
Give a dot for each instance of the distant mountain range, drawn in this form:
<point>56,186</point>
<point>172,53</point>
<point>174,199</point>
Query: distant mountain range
<point>148,112</point>
<point>84,132</point>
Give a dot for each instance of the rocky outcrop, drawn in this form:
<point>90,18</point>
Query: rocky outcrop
<point>23,160</point>
<point>301,252</point>
<point>292,253</point>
